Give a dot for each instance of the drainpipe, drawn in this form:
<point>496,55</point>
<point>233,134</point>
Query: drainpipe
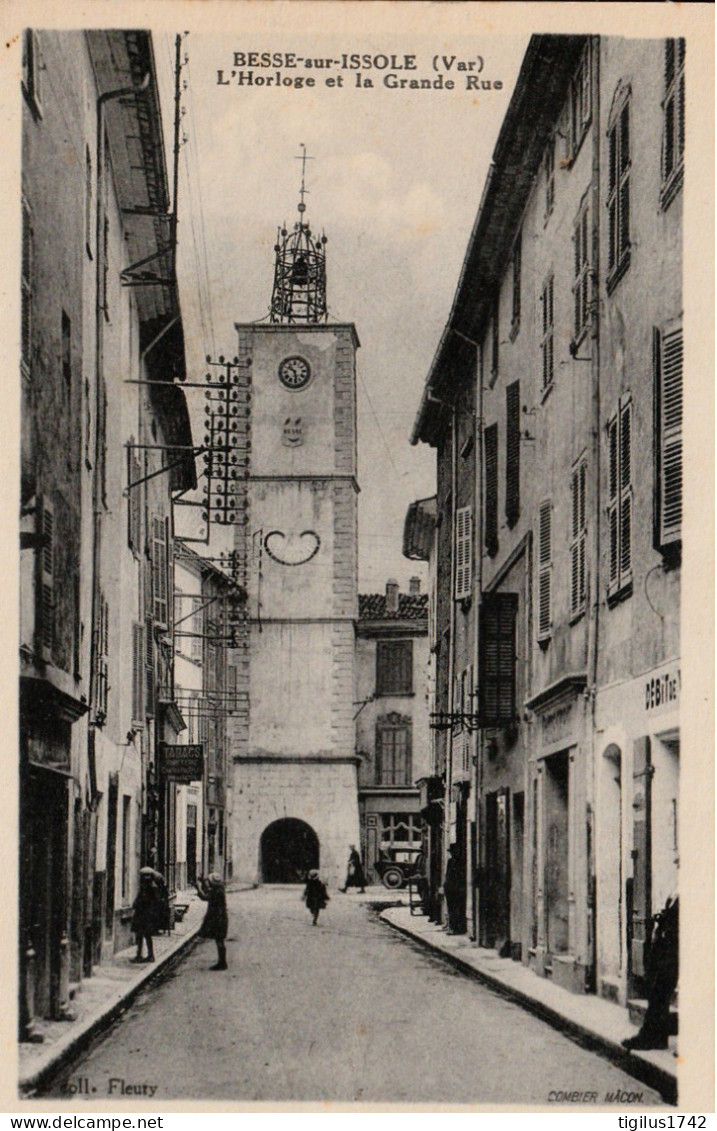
<point>596,581</point>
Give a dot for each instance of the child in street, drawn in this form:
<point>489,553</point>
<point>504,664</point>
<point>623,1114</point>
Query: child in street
<point>315,895</point>
<point>216,920</point>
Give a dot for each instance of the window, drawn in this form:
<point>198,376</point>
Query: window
<point>619,508</point>
<point>512,453</point>
<point>393,750</point>
<point>401,829</point>
<point>618,198</point>
<point>490,443</point>
<point>211,666</point>
<point>32,68</point>
<point>580,102</point>
<point>578,531</point>
<point>545,571</point>
<point>394,667</point>
<point>668,436</point>
<point>673,141</point>
<point>546,341</point>
<point>27,285</point>
<point>126,827</point>
<point>464,552</point>
<point>517,257</point>
<point>45,578</point>
<point>549,169</point>
<point>137,672</point>
<point>581,284</point>
<point>496,683</point>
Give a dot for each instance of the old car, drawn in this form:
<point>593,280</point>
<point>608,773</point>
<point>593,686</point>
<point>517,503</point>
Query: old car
<point>395,865</point>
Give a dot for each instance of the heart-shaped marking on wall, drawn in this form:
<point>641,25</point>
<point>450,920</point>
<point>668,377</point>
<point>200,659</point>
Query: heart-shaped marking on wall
<point>292,549</point>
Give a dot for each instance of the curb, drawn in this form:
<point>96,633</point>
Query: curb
<point>663,1082</point>
<point>41,1077</point>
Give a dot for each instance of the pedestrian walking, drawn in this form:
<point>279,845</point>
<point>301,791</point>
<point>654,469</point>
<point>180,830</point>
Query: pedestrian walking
<point>315,895</point>
<point>148,911</point>
<point>355,876</point>
<point>216,921</point>
<point>662,973</point>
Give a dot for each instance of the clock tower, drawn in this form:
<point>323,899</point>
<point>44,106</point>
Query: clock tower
<point>295,803</point>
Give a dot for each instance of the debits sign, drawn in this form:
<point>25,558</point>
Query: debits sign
<point>182,764</point>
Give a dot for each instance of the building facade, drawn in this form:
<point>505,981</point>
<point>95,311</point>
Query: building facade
<point>295,786</point>
<point>104,437</point>
<point>208,607</point>
<point>391,714</point>
<point>566,326</point>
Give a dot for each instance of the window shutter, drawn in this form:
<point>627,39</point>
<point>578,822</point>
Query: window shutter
<point>197,623</point>
<point>669,394</point>
<point>517,256</point>
<point>577,547</point>
<point>512,453</point>
<point>137,671</point>
<point>150,696</point>
<point>612,510</point>
<point>491,489</point>
<point>496,684</point>
<point>159,570</point>
<point>134,503</point>
<point>546,345</point>
<point>27,285</point>
<point>45,578</point>
<point>463,549</point>
<point>625,491</point>
<point>545,554</point>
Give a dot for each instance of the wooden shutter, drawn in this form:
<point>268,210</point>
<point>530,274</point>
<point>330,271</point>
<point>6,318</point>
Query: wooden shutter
<point>548,322</point>
<point>159,570</point>
<point>577,546</point>
<point>625,491</point>
<point>496,683</point>
<point>464,552</point>
<point>27,285</point>
<point>149,665</point>
<point>512,453</point>
<point>612,505</point>
<point>491,489</point>
<point>545,567</point>
<point>137,672</point>
<point>45,578</point>
<point>668,395</point>
<point>134,503</point>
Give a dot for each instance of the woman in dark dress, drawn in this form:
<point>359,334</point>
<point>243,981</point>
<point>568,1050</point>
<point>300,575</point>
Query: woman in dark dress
<point>315,895</point>
<point>148,911</point>
<point>355,877</point>
<point>216,920</point>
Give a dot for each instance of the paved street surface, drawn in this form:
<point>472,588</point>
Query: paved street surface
<point>346,1011</point>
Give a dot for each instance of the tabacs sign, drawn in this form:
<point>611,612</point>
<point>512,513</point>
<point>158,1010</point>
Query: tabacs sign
<point>182,764</point>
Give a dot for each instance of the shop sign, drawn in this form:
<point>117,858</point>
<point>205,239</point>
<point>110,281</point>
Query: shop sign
<point>662,690</point>
<point>183,764</point>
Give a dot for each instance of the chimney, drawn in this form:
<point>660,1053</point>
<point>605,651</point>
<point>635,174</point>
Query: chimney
<point>391,596</point>
<point>414,585</point>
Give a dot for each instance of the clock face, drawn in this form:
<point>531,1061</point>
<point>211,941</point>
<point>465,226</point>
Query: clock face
<point>294,372</point>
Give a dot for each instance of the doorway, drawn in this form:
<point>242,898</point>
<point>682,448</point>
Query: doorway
<point>556,853</point>
<point>288,849</point>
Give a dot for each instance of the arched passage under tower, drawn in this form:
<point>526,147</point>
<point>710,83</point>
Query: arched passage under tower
<point>288,849</point>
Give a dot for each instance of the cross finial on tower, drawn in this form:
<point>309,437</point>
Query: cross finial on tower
<point>303,158</point>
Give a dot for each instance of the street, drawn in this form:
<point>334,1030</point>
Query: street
<point>345,1011</point>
